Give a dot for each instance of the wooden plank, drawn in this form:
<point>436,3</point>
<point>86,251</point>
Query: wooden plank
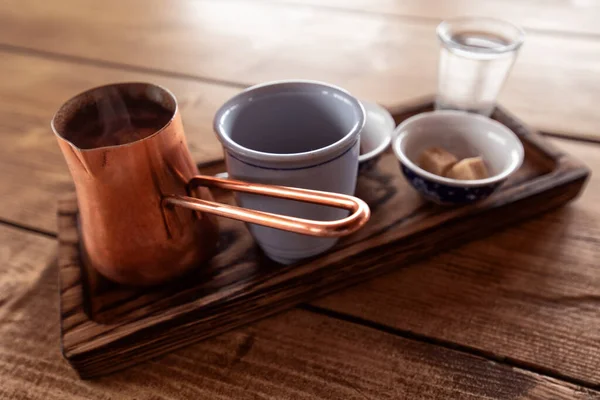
<point>559,16</point>
<point>529,293</point>
<point>33,169</point>
<point>22,257</point>
<point>553,85</point>
<point>298,355</point>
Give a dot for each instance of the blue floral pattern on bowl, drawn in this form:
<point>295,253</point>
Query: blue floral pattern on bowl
<point>446,194</point>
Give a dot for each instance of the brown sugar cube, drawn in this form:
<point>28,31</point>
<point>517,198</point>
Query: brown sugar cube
<point>468,169</point>
<point>437,160</point>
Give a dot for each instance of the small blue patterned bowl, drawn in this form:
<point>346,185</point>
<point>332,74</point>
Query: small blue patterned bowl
<point>465,135</point>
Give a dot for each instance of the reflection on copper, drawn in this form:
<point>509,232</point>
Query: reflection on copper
<point>360,212</point>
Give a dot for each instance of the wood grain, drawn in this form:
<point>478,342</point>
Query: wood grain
<point>302,355</point>
<point>298,355</point>
<point>22,255</point>
<point>242,364</point>
<point>558,16</point>
<point>377,57</point>
<point>123,326</point>
<point>529,293</point>
<point>33,169</point>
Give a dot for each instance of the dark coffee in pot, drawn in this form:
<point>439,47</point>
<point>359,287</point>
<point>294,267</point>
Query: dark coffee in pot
<point>114,120</point>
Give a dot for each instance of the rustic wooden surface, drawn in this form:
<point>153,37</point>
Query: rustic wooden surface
<point>107,327</point>
<point>558,16</point>
<point>515,310</point>
<point>374,55</point>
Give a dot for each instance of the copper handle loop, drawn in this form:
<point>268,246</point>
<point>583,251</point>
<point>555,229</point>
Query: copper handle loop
<point>360,212</point>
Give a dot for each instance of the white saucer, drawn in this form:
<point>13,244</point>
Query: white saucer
<point>377,133</point>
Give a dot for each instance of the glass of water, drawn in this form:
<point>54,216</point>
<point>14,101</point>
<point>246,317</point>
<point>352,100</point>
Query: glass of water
<point>476,56</point>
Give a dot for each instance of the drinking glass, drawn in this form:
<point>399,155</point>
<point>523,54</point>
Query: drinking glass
<point>475,58</point>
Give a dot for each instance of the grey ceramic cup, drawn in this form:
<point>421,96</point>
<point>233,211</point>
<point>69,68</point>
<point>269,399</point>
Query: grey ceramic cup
<point>302,134</point>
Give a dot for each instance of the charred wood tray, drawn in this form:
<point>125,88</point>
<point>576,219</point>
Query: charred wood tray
<point>107,327</point>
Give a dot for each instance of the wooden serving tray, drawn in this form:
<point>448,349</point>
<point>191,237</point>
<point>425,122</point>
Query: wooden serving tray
<point>106,327</point>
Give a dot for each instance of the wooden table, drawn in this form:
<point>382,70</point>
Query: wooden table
<point>512,316</point>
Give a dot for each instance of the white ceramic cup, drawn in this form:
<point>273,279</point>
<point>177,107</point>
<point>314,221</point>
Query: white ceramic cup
<point>302,134</point>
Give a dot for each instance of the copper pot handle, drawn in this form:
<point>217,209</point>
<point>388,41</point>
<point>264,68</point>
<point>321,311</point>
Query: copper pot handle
<point>360,212</point>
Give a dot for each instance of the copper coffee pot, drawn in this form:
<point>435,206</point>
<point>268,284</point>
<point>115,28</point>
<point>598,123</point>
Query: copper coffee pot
<point>145,214</point>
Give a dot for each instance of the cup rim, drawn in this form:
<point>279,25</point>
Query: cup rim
<point>495,125</point>
<point>444,28</point>
<point>291,85</point>
<point>87,92</point>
